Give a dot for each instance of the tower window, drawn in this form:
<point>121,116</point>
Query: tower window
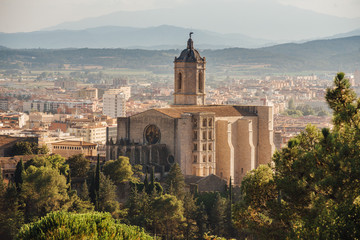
<point>179,81</point>
<point>210,122</point>
<point>195,158</point>
<point>204,146</point>
<point>200,82</point>
<point>210,158</point>
<point>195,147</point>
<point>195,135</point>
<point>204,122</point>
<point>210,134</point>
<point>204,135</point>
<point>204,158</point>
<point>210,146</point>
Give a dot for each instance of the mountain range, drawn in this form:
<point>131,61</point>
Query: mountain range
<point>160,38</point>
<point>341,54</point>
<point>258,19</point>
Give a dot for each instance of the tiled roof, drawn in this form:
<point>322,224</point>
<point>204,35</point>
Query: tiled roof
<point>74,143</point>
<point>219,110</point>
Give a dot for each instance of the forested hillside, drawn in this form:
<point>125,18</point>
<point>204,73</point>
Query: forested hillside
<point>320,55</point>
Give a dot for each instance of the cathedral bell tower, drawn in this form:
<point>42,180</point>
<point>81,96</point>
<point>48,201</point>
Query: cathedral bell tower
<point>189,70</point>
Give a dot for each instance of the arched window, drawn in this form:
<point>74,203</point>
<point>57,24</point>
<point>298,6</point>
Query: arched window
<point>179,81</point>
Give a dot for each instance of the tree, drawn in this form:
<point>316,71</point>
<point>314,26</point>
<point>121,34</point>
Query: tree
<point>84,192</point>
<point>63,225</point>
<point>107,196</point>
<point>201,219</point>
<point>217,215</point>
<point>11,215</point>
<point>79,165</point>
<point>44,190</point>
<point>190,210</point>
<point>167,216</point>
<point>317,177</point>
<point>119,170</point>
<point>18,178</point>
<point>175,181</point>
<point>29,148</point>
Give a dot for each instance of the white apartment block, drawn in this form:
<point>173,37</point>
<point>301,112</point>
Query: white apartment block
<point>114,104</point>
<point>125,90</point>
<point>93,134</point>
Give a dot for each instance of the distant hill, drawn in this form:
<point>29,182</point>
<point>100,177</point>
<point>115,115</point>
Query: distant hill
<point>355,32</point>
<point>161,37</point>
<point>321,55</point>
<point>259,19</point>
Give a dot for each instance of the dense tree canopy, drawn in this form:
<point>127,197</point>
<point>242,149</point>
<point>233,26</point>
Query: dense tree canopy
<point>315,189</point>
<point>62,225</point>
<point>119,170</point>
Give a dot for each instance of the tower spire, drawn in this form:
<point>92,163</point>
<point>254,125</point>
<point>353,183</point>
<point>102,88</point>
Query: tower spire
<point>190,43</point>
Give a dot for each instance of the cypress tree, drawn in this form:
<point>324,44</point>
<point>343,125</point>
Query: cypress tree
<point>97,182</point>
<point>18,178</point>
<point>152,181</point>
<point>146,183</point>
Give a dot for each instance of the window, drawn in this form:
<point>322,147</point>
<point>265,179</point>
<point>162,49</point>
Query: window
<point>210,147</point>
<point>179,81</point>
<point>204,158</point>
<point>195,158</point>
<point>195,135</point>
<point>195,147</point>
<point>210,122</point>
<point>210,158</point>
<point>204,135</point>
<point>210,134</point>
<point>200,82</point>
<point>195,122</point>
<point>204,122</point>
<point>204,147</point>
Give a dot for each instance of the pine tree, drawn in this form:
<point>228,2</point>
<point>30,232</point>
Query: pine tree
<point>175,182</point>
<point>201,219</point>
<point>190,210</point>
<point>18,178</point>
<point>84,194</point>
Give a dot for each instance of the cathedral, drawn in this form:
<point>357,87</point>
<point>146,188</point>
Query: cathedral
<point>225,140</point>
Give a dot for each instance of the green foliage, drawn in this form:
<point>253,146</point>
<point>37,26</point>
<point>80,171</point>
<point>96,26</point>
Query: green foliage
<point>190,210</point>
<point>79,165</point>
<point>167,216</point>
<point>175,181</point>
<point>119,170</point>
<point>44,190</point>
<point>107,196</point>
<point>317,179</point>
<point>19,172</point>
<point>62,225</point>
<point>29,148</point>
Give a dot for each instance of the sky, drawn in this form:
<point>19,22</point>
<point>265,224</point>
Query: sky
<point>32,15</point>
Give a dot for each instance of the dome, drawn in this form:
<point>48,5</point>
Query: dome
<point>190,54</point>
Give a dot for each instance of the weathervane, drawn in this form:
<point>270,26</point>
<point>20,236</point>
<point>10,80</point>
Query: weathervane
<point>190,34</point>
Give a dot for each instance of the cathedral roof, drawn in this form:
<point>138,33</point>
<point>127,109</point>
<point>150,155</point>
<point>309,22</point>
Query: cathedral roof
<point>189,54</point>
<point>219,110</point>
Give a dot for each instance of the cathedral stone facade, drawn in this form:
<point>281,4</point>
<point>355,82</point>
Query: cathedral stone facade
<point>204,139</point>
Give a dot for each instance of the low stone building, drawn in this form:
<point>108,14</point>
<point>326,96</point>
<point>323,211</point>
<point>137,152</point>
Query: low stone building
<point>70,148</point>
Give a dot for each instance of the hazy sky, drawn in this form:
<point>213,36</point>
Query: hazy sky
<point>31,15</point>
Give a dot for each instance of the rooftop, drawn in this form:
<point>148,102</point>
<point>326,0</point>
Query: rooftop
<point>73,143</point>
<point>219,110</point>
